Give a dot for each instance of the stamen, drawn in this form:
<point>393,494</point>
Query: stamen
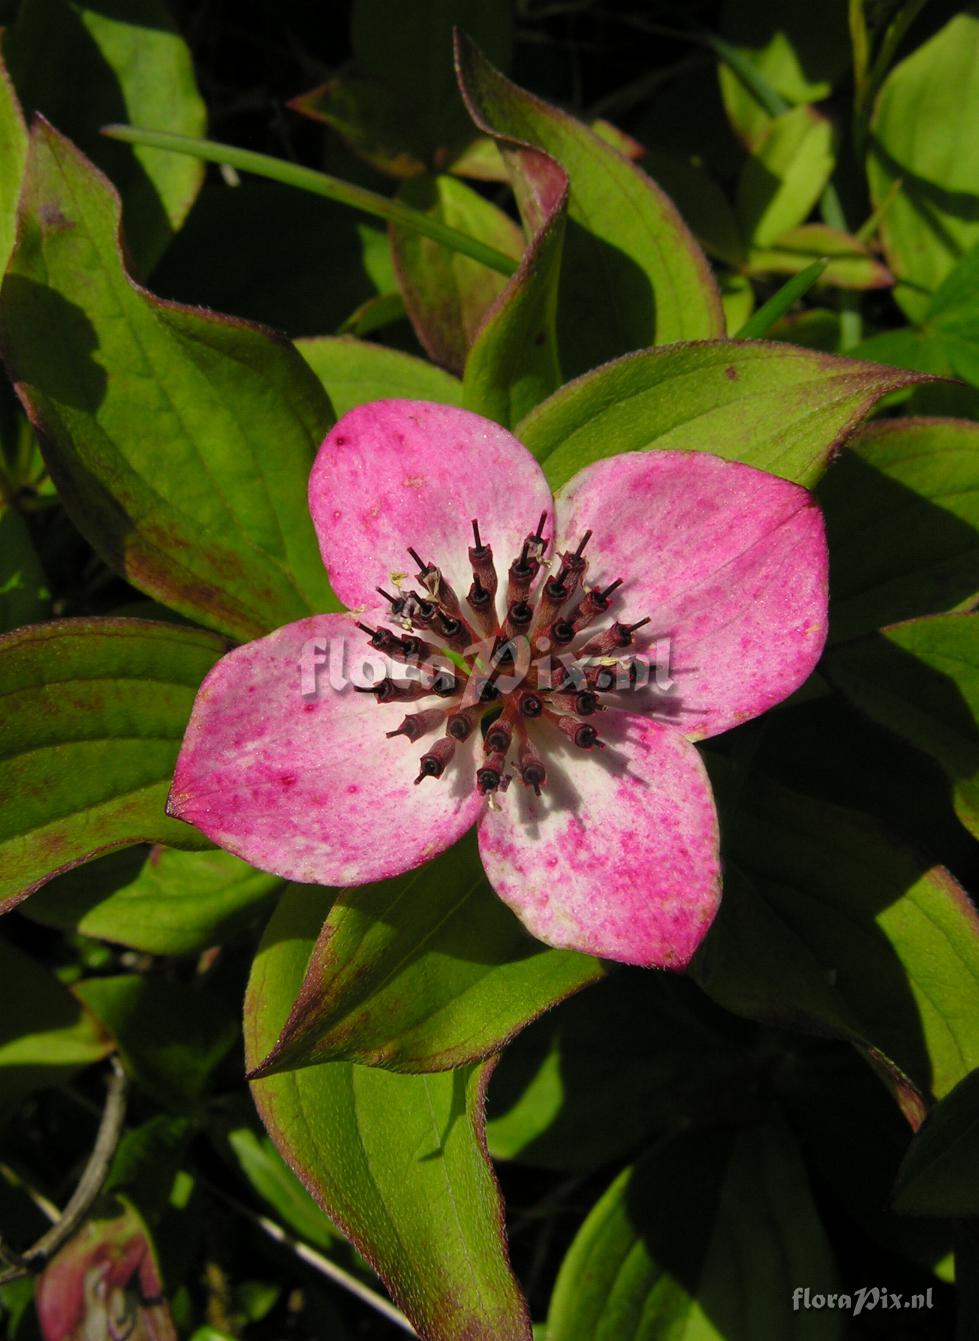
<point>617,635</point>
<point>499,736</point>
<point>433,764</point>
<point>422,566</point>
<point>460,724</point>
<point>519,616</point>
<point>382,640</point>
<point>532,770</point>
<point>530,704</point>
<point>418,724</point>
<point>582,734</point>
<point>490,776</point>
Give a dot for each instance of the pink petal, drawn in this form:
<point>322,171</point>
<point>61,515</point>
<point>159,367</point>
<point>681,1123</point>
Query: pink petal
<point>618,856</point>
<point>311,788</point>
<point>729,562</point>
<point>401,472</point>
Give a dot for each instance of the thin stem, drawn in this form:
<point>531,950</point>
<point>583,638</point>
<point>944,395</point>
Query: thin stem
<point>320,184</point>
<point>89,1186</point>
<point>317,1261</point>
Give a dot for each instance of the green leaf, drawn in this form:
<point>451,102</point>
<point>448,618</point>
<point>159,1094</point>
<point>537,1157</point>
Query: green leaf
<point>380,126</point>
<point>24,594</point>
<point>398,1162</point>
<point>782,301</point>
<point>94,715</point>
<point>82,64</point>
<point>785,175</point>
<point>777,407</point>
<point>583,1086</point>
<point>392,980</point>
<point>158,900</point>
<point>324,261</point>
<point>953,310</point>
<point>273,1180</point>
<point>632,274</point>
<point>409,49</point>
<point>928,352</point>
<point>513,362</point>
<point>355,372</point>
<point>921,681</point>
<point>922,136</point>
<point>46,1035</point>
<point>703,204</point>
<point>446,295</point>
<point>799,58</point>
<point>940,1172</point>
<point>13,155</point>
<point>708,1236</point>
<point>902,519</point>
<point>159,420</point>
<point>851,264</point>
<point>830,926</point>
<point>170,1035</point>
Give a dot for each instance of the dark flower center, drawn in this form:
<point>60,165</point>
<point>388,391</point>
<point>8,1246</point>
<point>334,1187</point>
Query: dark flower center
<point>496,673</point>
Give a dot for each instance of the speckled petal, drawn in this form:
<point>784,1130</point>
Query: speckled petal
<point>287,769</point>
<point>729,562</point>
<point>619,855</point>
<point>399,472</point>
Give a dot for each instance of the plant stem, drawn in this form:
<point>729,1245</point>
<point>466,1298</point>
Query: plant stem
<point>319,184</point>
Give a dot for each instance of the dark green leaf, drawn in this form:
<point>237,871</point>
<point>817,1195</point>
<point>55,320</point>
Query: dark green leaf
<point>180,441</point>
<point>445,294</point>
<point>95,712</point>
<point>355,372</point>
<point>170,1035</point>
<point>902,519</point>
<point>921,681</point>
<point>82,64</point>
<point>46,1035</point>
<point>709,1236</point>
<point>409,50</point>
<point>921,136</point>
<point>372,119</point>
<point>425,972</point>
<point>24,595</point>
<point>158,900</point>
<point>398,1162</point>
<point>777,407</point>
<point>299,262</point>
<point>13,156</point>
<point>940,1173</point>
<point>632,275</point>
<point>276,1184</point>
<point>634,1057</point>
<point>830,926</point>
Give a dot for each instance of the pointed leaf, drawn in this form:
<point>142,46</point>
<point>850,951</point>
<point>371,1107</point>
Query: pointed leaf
<point>647,280</point>
<point>398,1162</point>
<point>446,294</point>
<point>372,119</point>
<point>180,441</point>
<point>778,407</point>
<point>46,1034</point>
<point>13,156</point>
<point>82,64</point>
<point>902,520</point>
<point>851,264</point>
<point>94,714</point>
<point>842,931</point>
<point>922,136</point>
<point>158,900</point>
<point>513,363</point>
<point>392,980</point>
<point>355,372</point>
<point>940,1172</point>
<point>785,175</point>
<point>410,51</point>
<point>921,681</point>
<point>708,1236</point>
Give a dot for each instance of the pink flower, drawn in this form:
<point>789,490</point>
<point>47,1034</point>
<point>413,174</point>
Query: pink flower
<point>607,840</point>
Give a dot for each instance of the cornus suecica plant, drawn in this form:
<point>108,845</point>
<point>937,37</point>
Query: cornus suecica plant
<point>607,841</point>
